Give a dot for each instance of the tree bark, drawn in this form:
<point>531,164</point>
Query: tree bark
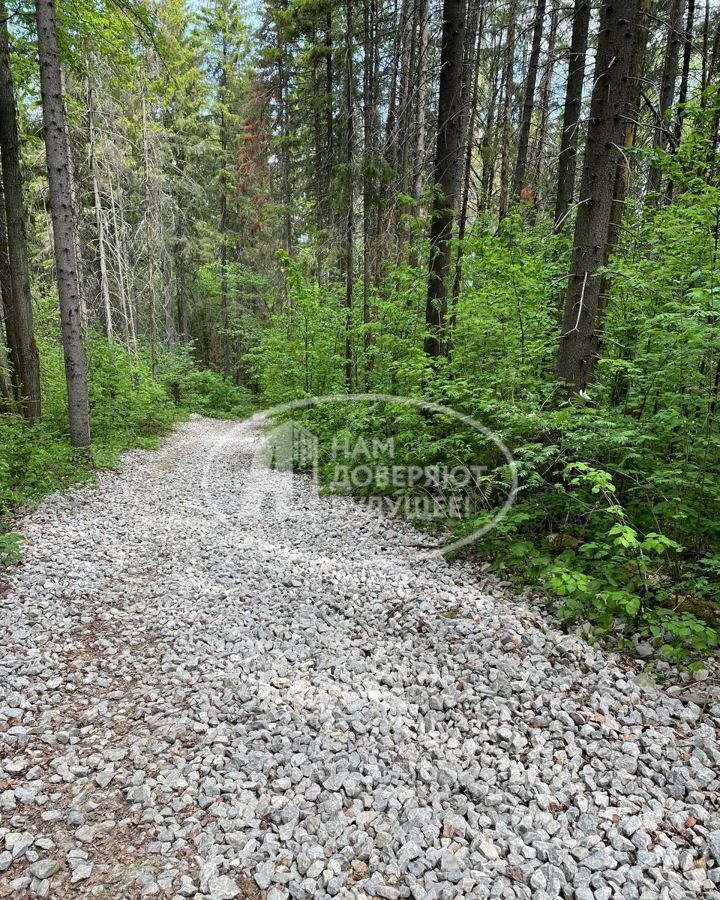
<point>632,105</point>
<point>349,191</point>
<point>58,166</point>
<point>528,103</point>
<point>577,350</point>
<point>683,92</point>
<point>667,91</point>
<point>370,137</point>
<point>224,143</point>
<point>539,156</point>
<point>470,89</point>
<point>571,112</point>
<point>99,214</point>
<point>16,288</point>
<point>447,172</point>
<point>506,125</point>
<point>6,385</point>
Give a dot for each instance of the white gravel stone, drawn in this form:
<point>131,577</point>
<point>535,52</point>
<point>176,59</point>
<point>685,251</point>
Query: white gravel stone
<point>217,684</point>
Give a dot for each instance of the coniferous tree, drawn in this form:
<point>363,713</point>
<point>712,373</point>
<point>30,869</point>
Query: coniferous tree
<point>577,350</point>
<point>447,172</point>
<point>571,113</point>
<point>15,280</point>
<point>57,151</point>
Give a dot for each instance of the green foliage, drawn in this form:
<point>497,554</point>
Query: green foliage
<point>128,408</point>
<point>10,549</point>
<point>210,394</point>
<point>618,507</point>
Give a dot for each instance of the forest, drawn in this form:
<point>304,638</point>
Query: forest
<point>512,208</point>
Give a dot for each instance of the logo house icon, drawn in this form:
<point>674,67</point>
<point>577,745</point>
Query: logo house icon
<point>293,448</point>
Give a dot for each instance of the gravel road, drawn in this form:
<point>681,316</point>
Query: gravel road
<point>207,693</point>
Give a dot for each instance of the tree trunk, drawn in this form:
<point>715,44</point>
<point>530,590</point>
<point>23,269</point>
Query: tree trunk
<point>506,125</point>
<point>528,103</point>
<point>667,91</point>
<point>471,83</point>
<point>329,135</point>
<point>420,101</point>
<point>577,351</point>
<point>58,166</point>
<point>126,300</point>
<point>545,94</point>
<point>349,192</point>
<point>370,134</point>
<point>683,92</point>
<point>180,253</point>
<point>632,105</point>
<point>6,385</point>
<point>487,146</point>
<point>76,219</point>
<point>571,112</point>
<point>16,292</point>
<point>224,288</point>
<point>7,396</point>
<point>99,214</point>
<point>447,172</point>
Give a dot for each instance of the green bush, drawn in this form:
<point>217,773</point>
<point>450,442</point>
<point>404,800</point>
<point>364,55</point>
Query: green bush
<point>209,394</point>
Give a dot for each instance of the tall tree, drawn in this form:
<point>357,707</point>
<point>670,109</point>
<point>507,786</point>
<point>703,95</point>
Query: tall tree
<point>16,287</point>
<point>57,152</point>
<point>683,92</point>
<point>577,349</point>
<point>7,393</point>
<point>571,111</point>
<point>470,90</point>
<point>528,103</point>
<point>349,191</point>
<point>447,172</point>
<point>663,127</point>
<point>506,112</point>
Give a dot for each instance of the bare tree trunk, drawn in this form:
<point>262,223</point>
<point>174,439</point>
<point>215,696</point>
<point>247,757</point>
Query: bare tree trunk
<point>667,91</point>
<point>470,89</point>
<point>506,128</point>
<point>421,100</point>
<point>126,303</point>
<point>577,350</point>
<point>571,113</point>
<point>285,162</point>
<point>76,217</point>
<point>632,105</point>
<point>349,192</point>
<point>487,146</point>
<point>447,172</point>
<point>166,279</point>
<point>683,92</point>
<point>180,253</point>
<point>6,384</point>
<point>545,92</point>
<point>151,237</point>
<point>61,209</point>
<point>329,136</point>
<point>224,288</point>
<point>528,103</point>
<point>16,292</point>
<point>99,214</point>
<point>705,58</point>
<point>370,134</point>
<point>7,396</point>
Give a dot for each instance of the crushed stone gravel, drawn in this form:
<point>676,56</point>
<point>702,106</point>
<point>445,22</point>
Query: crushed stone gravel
<point>204,693</point>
